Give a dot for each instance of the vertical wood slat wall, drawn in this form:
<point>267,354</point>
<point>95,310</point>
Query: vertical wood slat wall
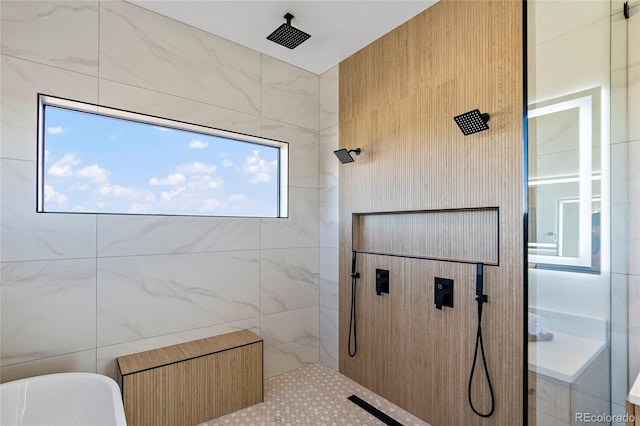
<point>398,97</point>
<point>192,382</point>
<point>469,235</point>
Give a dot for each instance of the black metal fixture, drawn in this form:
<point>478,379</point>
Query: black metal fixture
<point>625,10</point>
<point>287,35</point>
<point>344,155</point>
<point>472,122</point>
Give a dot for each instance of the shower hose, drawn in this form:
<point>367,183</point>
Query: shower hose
<point>480,298</point>
<point>352,316</point>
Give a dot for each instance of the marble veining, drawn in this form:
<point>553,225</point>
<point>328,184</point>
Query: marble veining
<point>21,81</point>
<point>300,229</point>
<point>176,107</point>
<point>303,151</point>
<point>289,94</point>
<point>62,33</point>
<point>181,292</point>
<point>27,235</point>
<point>134,44</point>
<point>329,277</point>
<point>329,97</point>
<point>329,337</point>
<point>329,164</point>
<point>48,308</point>
<point>289,279</point>
<point>134,235</point>
<point>290,340</point>
<point>329,217</point>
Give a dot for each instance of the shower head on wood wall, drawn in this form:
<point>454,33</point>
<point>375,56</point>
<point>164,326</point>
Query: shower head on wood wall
<point>344,155</point>
<point>472,122</point>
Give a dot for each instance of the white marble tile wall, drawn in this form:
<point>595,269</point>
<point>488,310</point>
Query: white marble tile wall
<point>21,81</point>
<point>290,340</point>
<point>164,105</point>
<point>66,33</point>
<point>48,308</point>
<point>289,94</point>
<point>289,279</point>
<point>303,150</point>
<point>79,290</point>
<point>135,44</point>
<point>328,204</point>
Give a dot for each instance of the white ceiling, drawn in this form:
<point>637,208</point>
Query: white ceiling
<point>338,28</point>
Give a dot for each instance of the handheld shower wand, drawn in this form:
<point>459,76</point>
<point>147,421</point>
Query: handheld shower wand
<point>352,315</point>
<point>481,298</point>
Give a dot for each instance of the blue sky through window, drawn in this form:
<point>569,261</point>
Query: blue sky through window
<point>99,164</point>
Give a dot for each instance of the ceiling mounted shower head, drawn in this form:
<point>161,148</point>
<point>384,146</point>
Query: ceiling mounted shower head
<point>472,122</point>
<point>288,36</point>
<point>344,155</point>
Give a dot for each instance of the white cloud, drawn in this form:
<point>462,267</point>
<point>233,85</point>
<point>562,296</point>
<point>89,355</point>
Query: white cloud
<point>215,184</point>
<point>227,163</point>
<point>170,195</point>
<point>162,129</point>
<point>196,168</point>
<point>197,144</point>
<point>257,167</point>
<point>52,196</point>
<point>63,170</point>
<point>172,179</point>
<point>117,191</point>
<point>55,130</point>
<point>64,166</point>
<point>237,197</point>
<point>94,173</point>
<point>47,154</point>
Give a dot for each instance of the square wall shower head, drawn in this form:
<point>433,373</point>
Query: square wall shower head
<point>472,122</point>
<point>288,36</point>
<point>344,156</point>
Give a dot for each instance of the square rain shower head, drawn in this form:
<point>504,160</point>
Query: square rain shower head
<point>472,122</point>
<point>288,36</point>
<point>344,155</point>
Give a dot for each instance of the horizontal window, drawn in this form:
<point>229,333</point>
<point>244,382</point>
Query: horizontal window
<point>94,159</point>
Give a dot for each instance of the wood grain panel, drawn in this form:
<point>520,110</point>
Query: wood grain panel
<point>179,386</point>
<point>469,235</point>
<point>398,97</point>
<point>633,414</point>
<point>184,351</point>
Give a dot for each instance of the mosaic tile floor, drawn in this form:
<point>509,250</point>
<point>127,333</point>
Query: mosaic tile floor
<point>314,395</point>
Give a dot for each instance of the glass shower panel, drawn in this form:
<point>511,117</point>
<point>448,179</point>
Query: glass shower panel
<point>569,89</point>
